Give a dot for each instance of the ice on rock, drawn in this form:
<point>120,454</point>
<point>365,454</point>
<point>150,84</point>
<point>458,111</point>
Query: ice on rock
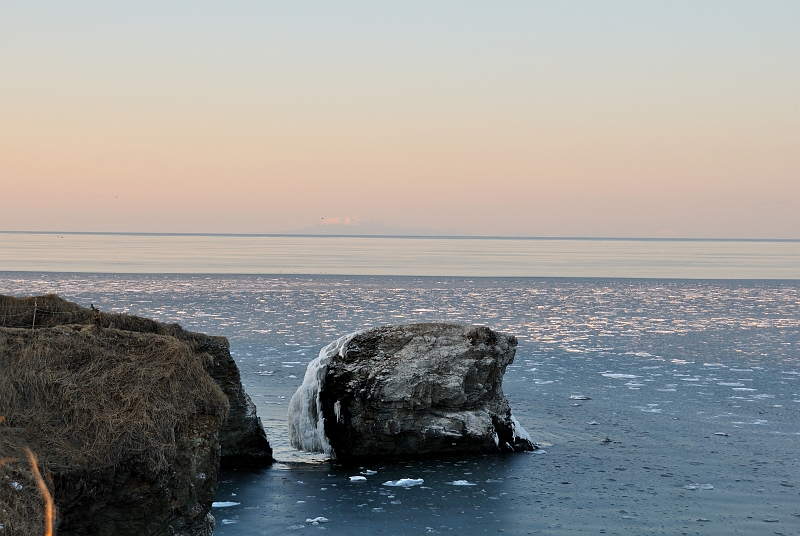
<point>519,431</point>
<point>306,424</point>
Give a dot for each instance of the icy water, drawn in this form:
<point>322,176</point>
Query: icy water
<point>661,406</point>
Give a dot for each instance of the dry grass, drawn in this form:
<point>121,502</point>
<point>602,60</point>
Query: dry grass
<point>87,399</point>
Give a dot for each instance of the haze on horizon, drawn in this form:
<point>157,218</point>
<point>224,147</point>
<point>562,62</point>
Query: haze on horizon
<point>613,119</point>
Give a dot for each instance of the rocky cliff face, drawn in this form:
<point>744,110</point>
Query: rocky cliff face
<point>126,425</point>
<point>408,391</point>
<point>242,438</point>
<point>131,419</point>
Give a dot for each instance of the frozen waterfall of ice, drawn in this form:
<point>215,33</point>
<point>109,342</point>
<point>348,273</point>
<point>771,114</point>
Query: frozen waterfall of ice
<point>306,424</point>
<point>519,431</point>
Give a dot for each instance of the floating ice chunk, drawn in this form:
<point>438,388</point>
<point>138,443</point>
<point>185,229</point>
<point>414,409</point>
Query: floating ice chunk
<point>462,483</point>
<point>695,486</point>
<point>224,504</point>
<point>404,482</point>
<point>369,472</point>
<point>358,478</point>
<point>306,424</point>
<point>229,521</point>
<point>579,397</point>
<point>317,520</point>
<point>519,431</point>
<point>618,376</point>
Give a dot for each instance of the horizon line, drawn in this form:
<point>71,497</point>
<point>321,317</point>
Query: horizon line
<point>428,237</point>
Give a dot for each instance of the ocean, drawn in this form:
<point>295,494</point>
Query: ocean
<point>661,405</point>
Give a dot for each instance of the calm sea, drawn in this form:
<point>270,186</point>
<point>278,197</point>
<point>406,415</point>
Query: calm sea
<point>663,406</point>
<point>487,257</point>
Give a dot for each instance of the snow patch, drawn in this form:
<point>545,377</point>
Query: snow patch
<point>306,424</point>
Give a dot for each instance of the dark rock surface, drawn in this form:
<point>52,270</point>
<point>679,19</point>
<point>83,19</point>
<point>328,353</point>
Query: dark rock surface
<point>242,437</point>
<point>408,391</point>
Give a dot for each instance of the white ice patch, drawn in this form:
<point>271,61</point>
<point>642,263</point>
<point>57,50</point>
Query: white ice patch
<point>317,520</point>
<point>519,431</point>
<point>306,424</point>
<point>462,483</point>
<point>358,479</point>
<point>404,482</point>
<point>618,376</point>
<point>224,504</point>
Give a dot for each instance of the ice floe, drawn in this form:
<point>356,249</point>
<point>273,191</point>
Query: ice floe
<point>404,482</point>
<point>224,504</point>
<point>461,483</point>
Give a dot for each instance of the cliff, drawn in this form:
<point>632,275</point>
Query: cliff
<point>130,419</point>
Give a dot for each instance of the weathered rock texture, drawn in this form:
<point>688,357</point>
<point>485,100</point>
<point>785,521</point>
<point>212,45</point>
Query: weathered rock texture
<point>409,391</point>
<point>126,415</point>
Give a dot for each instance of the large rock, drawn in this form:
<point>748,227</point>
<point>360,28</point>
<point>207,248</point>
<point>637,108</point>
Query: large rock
<point>408,391</point>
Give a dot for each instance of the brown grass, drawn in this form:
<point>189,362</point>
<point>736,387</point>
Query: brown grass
<point>87,399</point>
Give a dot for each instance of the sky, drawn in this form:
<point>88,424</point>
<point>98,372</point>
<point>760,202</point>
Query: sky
<point>601,119</point>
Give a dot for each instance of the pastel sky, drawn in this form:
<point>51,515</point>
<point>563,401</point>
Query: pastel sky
<point>527,118</point>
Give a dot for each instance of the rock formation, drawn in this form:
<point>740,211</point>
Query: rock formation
<point>408,391</point>
<point>130,419</point>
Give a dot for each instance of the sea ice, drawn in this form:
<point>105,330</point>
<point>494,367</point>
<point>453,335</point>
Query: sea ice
<point>618,376</point>
<point>306,424</point>
<point>462,483</point>
<point>317,520</point>
<point>358,479</point>
<point>404,482</point>
<point>224,504</point>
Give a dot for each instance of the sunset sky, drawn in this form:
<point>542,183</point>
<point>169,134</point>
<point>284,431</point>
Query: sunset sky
<point>607,119</point>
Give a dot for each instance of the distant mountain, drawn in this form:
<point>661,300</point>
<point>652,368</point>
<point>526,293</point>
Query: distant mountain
<point>353,225</point>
